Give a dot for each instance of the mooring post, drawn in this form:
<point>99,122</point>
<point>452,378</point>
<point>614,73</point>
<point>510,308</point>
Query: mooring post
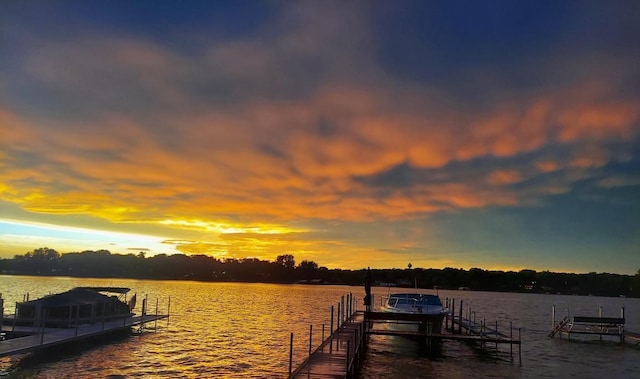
<point>553,317</point>
<point>453,315</point>
<point>460,318</point>
<point>15,316</point>
<point>290,353</point>
<point>310,337</point>
<point>155,324</point>
<point>350,305</point>
<point>168,310</point>
<point>520,346</point>
<point>600,316</point>
<point>622,317</point>
<point>342,305</point>
<point>511,340</point>
<point>144,312</point>
<point>331,332</point>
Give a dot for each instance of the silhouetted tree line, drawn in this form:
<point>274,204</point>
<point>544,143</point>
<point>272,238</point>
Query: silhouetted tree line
<point>103,264</point>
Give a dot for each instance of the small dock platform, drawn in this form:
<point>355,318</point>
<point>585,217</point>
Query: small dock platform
<point>39,338</point>
<point>596,326</point>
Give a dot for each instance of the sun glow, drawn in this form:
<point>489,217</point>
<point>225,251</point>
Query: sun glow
<point>226,228</point>
<point>21,235</point>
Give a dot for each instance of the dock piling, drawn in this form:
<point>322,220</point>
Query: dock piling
<point>310,338</point>
<point>168,310</point>
<point>291,354</point>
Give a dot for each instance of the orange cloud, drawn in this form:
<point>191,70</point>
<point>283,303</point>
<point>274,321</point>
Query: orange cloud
<point>504,177</point>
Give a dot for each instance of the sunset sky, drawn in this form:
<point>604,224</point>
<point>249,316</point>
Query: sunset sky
<point>493,134</point>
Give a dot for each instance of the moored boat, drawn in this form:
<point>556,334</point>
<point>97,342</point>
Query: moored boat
<point>427,305</point>
<point>80,305</point>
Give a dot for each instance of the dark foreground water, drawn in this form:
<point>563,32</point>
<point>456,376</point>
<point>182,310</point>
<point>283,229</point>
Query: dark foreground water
<point>238,330</point>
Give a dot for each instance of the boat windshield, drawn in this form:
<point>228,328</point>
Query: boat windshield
<point>414,299</point>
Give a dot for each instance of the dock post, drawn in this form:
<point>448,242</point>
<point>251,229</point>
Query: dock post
<point>322,340</point>
<point>310,338</point>
<point>553,317</point>
<point>600,316</point>
<point>339,317</point>
<point>622,317</point>
<point>168,310</point>
<point>15,316</point>
<point>511,340</point>
<point>350,304</point>
<point>460,319</point>
<point>331,332</point>
<point>290,354</point>
<point>155,325</point>
<point>144,312</point>
<point>520,346</point>
<point>453,315</point>
<point>343,312</point>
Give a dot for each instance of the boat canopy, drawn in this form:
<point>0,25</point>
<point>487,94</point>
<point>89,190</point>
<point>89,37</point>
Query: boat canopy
<point>107,289</point>
<point>76,296</point>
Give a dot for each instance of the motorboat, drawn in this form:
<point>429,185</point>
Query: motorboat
<point>414,303</point>
<point>427,305</point>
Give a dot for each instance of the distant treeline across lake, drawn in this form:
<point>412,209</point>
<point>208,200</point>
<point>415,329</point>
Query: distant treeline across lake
<point>104,264</point>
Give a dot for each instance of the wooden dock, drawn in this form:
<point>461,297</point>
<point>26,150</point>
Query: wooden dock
<point>342,353</point>
<point>40,338</point>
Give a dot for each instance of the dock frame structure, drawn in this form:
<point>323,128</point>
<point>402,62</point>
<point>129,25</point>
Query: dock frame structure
<point>341,354</point>
<point>597,326</point>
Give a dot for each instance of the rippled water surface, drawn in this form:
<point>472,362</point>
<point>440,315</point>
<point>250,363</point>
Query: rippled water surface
<point>240,330</point>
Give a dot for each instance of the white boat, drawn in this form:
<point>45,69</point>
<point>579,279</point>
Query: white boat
<point>428,305</point>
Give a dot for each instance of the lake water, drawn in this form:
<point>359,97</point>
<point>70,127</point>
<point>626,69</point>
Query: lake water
<point>242,330</point>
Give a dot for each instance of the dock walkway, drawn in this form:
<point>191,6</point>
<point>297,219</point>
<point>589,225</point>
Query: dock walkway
<point>47,337</point>
<point>339,356</point>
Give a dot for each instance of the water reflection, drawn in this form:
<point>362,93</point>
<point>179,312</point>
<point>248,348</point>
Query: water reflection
<point>240,330</point>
